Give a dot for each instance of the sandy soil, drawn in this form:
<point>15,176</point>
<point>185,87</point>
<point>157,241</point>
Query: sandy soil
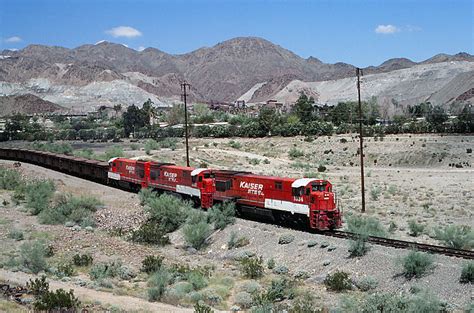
<point>122,209</point>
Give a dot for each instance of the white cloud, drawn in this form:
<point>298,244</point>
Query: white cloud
<point>123,31</point>
<point>386,29</point>
<point>13,39</point>
<point>141,48</point>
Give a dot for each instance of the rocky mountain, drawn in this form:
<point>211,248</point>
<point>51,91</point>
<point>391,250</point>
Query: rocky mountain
<point>26,104</point>
<point>224,72</point>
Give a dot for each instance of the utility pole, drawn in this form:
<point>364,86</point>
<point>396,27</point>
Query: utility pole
<point>361,140</point>
<point>184,86</point>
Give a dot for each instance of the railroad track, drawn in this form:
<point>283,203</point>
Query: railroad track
<point>96,171</point>
<point>402,244</point>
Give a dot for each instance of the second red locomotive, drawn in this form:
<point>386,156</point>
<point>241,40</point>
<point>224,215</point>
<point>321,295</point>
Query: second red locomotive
<point>306,199</point>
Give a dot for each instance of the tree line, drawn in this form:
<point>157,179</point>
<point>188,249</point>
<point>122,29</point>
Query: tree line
<point>304,119</point>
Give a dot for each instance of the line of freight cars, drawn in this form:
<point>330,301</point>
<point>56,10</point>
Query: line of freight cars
<point>305,200</point>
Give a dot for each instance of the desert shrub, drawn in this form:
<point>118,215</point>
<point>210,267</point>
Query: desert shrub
<point>126,273</point>
<point>237,242</point>
<point>392,227</point>
<point>415,228</point>
<point>467,273</point>
<point>367,283</point>
<point>286,239</point>
<point>375,192</point>
<point>38,286</point>
<point>151,144</point>
<point>57,300</point>
<point>16,234</point>
<point>369,226</point>
<point>422,301</point>
<point>280,289</point>
<point>85,153</point>
<point>321,168</point>
<point>103,270</point>
<point>254,161</point>
<point>281,270</point>
<point>222,215</point>
<point>65,269</point>
<point>38,194</point>
<point>295,153</point>
<point>201,307</point>
<point>112,152</point>
<point>251,286</point>
<point>252,267</point>
<point>416,264</point>
<point>151,264</point>
<point>197,279</point>
<point>196,230</point>
<point>9,179</point>
<point>68,208</point>
<point>33,256</point>
<point>145,195</point>
<point>82,260</point>
<point>243,299</point>
<point>235,144</point>
<point>339,281</point>
<point>158,282</point>
<point>168,211</point>
<point>358,247</point>
<point>150,232</point>
<point>266,161</point>
<point>454,236</point>
<point>304,304</point>
<point>271,263</point>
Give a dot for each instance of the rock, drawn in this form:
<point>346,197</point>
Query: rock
<point>324,244</point>
<point>302,275</point>
<point>281,269</point>
<point>191,250</point>
<point>89,228</point>
<point>69,224</point>
<point>66,279</point>
<point>76,227</point>
<point>312,243</point>
<point>235,308</point>
<point>326,263</point>
<point>331,248</point>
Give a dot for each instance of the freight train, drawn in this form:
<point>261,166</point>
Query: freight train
<point>307,200</point>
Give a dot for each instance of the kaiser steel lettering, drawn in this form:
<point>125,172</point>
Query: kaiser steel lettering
<point>171,176</point>
<point>130,169</point>
<point>253,188</point>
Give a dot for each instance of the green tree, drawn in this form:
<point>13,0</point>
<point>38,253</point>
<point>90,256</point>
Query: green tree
<point>436,117</point>
<point>304,108</point>
<point>133,119</point>
<point>268,118</point>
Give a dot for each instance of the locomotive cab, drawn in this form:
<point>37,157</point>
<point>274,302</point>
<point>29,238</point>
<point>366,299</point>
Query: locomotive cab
<point>323,212</point>
<point>203,179</point>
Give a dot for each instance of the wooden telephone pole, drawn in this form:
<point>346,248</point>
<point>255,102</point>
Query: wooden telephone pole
<point>361,140</point>
<point>185,86</point>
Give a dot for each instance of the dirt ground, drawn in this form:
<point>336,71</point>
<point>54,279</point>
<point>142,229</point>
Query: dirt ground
<point>413,185</point>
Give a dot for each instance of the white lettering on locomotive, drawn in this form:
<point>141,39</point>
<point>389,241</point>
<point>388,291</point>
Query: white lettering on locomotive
<point>171,176</point>
<point>130,169</point>
<point>253,188</point>
<point>298,199</point>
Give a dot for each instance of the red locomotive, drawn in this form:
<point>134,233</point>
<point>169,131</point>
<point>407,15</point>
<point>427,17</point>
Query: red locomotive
<point>280,198</point>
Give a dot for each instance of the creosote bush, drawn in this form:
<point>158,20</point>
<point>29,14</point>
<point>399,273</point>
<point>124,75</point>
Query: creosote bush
<point>103,270</point>
<point>237,242</point>
<point>467,273</point>
<point>16,234</point>
<point>38,195</point>
<point>368,226</point>
<point>222,215</point>
<point>416,264</point>
<point>358,247</point>
<point>158,282</point>
<point>286,239</point>
<point>454,236</point>
<point>33,256</point>
<point>367,283</point>
<point>82,260</point>
<point>196,230</point>
<point>151,264</point>
<point>252,267</point>
<point>416,229</point>
<point>9,179</point>
<point>339,281</point>
<point>68,208</point>
<point>38,286</point>
<point>295,153</point>
<point>168,211</point>
<point>57,300</point>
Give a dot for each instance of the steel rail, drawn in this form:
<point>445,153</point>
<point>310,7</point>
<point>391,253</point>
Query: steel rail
<point>388,242</point>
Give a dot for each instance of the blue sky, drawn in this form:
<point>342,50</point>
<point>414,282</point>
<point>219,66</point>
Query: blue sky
<point>365,32</point>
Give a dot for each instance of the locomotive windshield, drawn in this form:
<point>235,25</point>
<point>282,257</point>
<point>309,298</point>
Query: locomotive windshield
<point>319,187</point>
